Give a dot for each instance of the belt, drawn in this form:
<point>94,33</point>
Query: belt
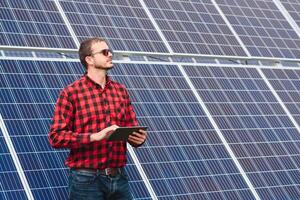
<point>106,171</point>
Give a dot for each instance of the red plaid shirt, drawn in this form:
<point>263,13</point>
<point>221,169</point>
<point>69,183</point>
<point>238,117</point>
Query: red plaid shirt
<point>84,108</point>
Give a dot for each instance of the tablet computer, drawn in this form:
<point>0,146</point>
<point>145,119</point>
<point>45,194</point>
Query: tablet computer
<point>122,133</point>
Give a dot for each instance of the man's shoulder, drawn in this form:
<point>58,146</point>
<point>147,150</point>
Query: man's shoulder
<point>74,86</point>
<point>118,85</point>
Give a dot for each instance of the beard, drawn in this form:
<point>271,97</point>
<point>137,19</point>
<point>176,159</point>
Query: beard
<point>104,68</point>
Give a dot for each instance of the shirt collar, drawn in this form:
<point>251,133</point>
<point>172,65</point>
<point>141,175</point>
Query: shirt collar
<point>93,84</point>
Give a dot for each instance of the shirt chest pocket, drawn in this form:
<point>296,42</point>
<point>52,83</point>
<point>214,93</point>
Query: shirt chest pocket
<point>117,109</point>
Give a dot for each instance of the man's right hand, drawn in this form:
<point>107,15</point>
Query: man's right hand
<point>103,133</point>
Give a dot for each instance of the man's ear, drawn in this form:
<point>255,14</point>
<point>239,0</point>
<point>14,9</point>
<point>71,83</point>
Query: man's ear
<point>88,60</point>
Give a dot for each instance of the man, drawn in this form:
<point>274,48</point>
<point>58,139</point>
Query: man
<point>86,113</point>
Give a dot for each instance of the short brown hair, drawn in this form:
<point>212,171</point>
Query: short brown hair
<point>85,49</point>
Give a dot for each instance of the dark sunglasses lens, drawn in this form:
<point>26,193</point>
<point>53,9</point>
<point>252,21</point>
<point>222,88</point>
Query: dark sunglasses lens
<point>106,52</point>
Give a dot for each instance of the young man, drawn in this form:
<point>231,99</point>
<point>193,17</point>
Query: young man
<point>86,113</point>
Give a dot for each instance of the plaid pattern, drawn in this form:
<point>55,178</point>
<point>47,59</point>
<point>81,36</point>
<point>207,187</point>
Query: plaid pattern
<point>84,108</point>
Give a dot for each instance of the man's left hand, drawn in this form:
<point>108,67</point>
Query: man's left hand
<point>137,138</point>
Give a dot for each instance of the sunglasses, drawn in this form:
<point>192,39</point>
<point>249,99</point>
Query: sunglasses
<point>104,52</point>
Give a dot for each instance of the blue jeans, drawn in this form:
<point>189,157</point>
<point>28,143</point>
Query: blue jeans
<point>93,186</point>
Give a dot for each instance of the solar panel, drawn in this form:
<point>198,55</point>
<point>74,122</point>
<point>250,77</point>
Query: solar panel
<point>262,28</point>
<point>30,90</point>
<point>194,27</point>
<point>259,132</point>
<point>33,24</point>
<point>286,84</point>
<point>10,183</point>
<point>124,24</point>
<point>293,7</point>
<point>183,156</point>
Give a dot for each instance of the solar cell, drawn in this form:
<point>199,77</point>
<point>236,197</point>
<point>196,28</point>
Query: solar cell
<point>124,24</point>
<point>33,24</point>
<point>262,27</point>
<point>259,132</point>
<point>194,27</point>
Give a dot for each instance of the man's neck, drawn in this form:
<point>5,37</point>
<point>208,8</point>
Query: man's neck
<point>99,76</point>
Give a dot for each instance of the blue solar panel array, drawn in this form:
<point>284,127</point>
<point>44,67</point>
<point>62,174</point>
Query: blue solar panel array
<point>183,148</point>
<point>195,27</point>
<point>215,132</point>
